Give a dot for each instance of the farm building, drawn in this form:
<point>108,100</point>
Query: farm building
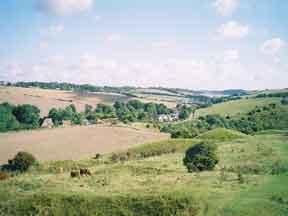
<point>47,123</point>
<point>168,117</point>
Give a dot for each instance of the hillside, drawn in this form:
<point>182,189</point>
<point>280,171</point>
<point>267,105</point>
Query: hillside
<point>236,107</point>
<point>159,184</point>
<point>221,134</point>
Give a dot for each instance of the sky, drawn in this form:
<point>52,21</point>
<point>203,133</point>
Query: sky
<point>208,44</point>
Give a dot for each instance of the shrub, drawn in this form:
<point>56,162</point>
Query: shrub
<point>114,158</point>
<point>184,133</point>
<point>3,176</point>
<point>240,178</point>
<point>21,162</point>
<point>201,157</point>
<point>97,156</point>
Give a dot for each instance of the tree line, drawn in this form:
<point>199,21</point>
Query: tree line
<point>18,117</point>
<point>27,116</point>
<point>267,117</point>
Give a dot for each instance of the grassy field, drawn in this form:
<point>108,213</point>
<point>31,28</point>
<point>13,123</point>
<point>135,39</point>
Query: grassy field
<point>73,142</point>
<point>236,107</point>
<point>160,185</point>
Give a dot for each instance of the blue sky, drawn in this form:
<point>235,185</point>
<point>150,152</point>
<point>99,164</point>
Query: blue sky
<point>209,44</point>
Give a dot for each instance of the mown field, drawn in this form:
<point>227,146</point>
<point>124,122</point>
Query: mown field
<point>46,99</point>
<point>73,143</point>
<point>153,181</point>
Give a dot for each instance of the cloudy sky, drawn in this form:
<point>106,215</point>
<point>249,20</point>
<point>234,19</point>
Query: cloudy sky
<point>208,44</point>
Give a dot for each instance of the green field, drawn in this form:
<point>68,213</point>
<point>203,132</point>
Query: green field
<point>153,181</point>
<point>236,107</point>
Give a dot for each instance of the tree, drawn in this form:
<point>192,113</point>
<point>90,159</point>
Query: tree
<point>72,106</point>
<point>105,110</point>
<point>56,116</point>
<point>185,133</point>
<point>184,114</point>
<point>136,104</point>
<point>201,157</point>
<point>67,113</point>
<point>284,101</point>
<point>78,119</point>
<point>92,118</point>
<point>88,109</point>
<point>7,120</point>
<point>27,114</point>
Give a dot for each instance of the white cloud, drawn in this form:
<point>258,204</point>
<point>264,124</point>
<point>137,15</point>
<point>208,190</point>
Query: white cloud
<point>94,62</point>
<point>273,46</point>
<point>162,44</point>
<point>226,7</point>
<point>114,37</point>
<point>233,30</point>
<point>231,55</point>
<point>64,7</point>
<point>43,45</point>
<point>52,29</point>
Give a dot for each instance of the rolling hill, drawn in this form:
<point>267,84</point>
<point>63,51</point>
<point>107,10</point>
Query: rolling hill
<point>160,184</point>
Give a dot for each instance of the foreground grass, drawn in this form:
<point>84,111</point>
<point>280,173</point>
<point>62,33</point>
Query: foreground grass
<point>149,183</point>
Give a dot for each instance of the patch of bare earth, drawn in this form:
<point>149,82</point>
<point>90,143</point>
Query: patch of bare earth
<point>73,143</point>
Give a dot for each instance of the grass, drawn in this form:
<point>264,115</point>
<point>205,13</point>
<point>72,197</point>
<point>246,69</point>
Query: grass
<point>158,184</point>
<point>236,107</point>
<point>221,134</point>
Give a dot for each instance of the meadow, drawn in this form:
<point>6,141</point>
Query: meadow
<point>249,180</point>
<point>236,107</point>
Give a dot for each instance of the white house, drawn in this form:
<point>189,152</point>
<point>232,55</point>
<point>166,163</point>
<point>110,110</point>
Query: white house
<point>168,117</point>
<point>47,123</point>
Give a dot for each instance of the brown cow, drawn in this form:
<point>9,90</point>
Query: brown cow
<point>85,172</point>
<point>74,174</point>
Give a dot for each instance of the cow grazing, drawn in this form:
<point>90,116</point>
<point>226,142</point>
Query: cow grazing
<point>85,172</point>
<point>74,174</point>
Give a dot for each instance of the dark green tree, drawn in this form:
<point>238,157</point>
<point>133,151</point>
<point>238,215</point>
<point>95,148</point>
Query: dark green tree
<point>201,157</point>
<point>7,120</point>
<point>28,115</point>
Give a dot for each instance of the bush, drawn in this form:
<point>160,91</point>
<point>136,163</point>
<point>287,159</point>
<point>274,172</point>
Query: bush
<point>7,120</point>
<point>185,133</point>
<point>3,176</point>
<point>28,115</point>
<point>21,162</point>
<point>200,157</point>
